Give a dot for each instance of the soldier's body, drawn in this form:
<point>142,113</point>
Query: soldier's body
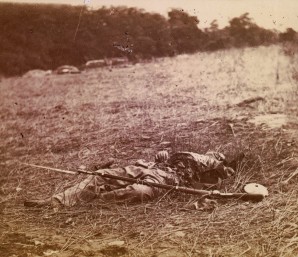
<point>183,168</point>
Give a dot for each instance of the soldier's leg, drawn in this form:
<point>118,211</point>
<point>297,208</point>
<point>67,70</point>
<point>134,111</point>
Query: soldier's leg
<point>90,188</point>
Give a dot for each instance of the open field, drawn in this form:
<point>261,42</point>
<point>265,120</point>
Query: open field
<point>184,103</point>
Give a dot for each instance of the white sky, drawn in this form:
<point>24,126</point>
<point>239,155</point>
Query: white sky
<point>271,14</point>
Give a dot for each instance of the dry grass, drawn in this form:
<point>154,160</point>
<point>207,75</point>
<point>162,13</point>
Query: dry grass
<point>127,114</point>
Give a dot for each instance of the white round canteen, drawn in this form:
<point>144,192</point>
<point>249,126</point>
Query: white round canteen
<point>254,188</point>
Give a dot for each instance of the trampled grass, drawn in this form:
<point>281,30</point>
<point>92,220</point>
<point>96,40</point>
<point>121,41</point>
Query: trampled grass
<point>127,113</point>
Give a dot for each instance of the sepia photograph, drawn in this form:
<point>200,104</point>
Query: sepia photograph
<point>161,128</point>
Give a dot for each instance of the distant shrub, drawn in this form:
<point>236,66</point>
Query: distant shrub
<point>290,35</point>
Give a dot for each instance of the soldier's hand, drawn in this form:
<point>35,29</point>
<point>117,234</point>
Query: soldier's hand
<point>162,156</point>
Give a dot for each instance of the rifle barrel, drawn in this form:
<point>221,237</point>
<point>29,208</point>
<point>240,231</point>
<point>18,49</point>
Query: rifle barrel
<point>187,190</point>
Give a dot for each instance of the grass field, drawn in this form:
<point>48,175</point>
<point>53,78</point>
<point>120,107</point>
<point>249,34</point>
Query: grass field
<point>189,102</point>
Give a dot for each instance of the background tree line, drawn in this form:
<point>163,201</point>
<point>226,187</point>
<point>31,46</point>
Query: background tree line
<point>47,36</point>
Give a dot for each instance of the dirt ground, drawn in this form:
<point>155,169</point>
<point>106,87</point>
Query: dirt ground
<point>189,102</point>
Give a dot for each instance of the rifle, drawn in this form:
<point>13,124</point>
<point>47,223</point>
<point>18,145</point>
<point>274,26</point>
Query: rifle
<point>203,193</point>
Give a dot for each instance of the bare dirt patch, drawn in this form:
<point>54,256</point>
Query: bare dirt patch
<point>273,120</point>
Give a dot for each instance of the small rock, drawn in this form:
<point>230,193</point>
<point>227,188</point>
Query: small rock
<point>168,226</point>
<point>69,220</point>
<point>180,234</point>
<point>199,121</point>
<point>193,225</point>
<point>145,137</point>
<point>36,242</point>
<point>196,206</point>
<point>46,217</point>
<point>50,252</point>
<point>165,144</point>
<point>116,243</point>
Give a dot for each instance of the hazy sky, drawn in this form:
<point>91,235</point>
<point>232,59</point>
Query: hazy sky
<point>278,14</point>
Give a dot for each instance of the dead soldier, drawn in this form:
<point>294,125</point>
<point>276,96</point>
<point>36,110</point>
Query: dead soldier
<point>183,169</point>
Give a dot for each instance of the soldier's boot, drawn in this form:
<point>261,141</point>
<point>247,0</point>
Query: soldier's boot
<point>48,202</point>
